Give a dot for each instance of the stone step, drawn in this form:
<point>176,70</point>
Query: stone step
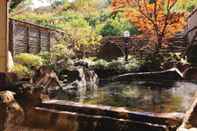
<point>75,121</point>
<point>169,119</point>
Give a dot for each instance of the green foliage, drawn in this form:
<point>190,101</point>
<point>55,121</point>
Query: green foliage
<point>115,27</point>
<point>185,6</point>
<point>15,3</point>
<point>119,65</point>
<point>58,58</point>
<point>21,70</point>
<point>159,61</point>
<point>152,62</point>
<point>29,60</point>
<point>173,57</point>
<point>83,21</point>
<point>61,51</point>
<point>82,37</point>
<point>100,64</point>
<point>58,52</point>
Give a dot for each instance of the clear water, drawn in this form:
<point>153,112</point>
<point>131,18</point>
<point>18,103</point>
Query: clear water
<point>138,96</point>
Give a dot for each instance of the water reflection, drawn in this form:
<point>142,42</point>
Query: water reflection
<point>137,96</point>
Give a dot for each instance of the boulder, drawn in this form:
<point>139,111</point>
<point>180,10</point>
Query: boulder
<point>46,78</point>
<point>170,75</point>
<point>190,73</point>
<point>11,112</point>
<point>6,79</point>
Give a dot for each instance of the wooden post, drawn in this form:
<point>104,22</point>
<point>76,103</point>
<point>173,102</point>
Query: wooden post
<point>27,40</point>
<point>3,36</point>
<point>11,36</point>
<point>40,43</point>
<point>49,41</point>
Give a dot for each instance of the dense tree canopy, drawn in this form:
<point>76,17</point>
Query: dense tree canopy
<point>156,19</point>
<point>160,20</point>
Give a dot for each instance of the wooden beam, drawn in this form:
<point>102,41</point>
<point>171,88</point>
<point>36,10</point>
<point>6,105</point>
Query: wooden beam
<point>3,36</point>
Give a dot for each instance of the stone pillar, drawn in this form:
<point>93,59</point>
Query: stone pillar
<point>3,35</point>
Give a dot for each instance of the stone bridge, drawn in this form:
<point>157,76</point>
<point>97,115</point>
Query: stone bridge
<point>114,47</point>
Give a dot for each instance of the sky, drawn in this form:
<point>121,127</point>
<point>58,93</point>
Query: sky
<point>40,3</point>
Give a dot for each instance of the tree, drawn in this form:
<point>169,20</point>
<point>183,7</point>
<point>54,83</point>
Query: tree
<point>115,26</point>
<point>186,6</point>
<point>80,35</point>
<point>14,3</point>
<point>154,18</point>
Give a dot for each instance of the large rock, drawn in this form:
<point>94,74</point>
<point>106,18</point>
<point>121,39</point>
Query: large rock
<point>190,73</point>
<point>6,79</point>
<point>169,75</point>
<point>80,80</point>
<point>11,112</point>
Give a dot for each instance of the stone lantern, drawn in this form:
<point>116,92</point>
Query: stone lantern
<point>3,35</point>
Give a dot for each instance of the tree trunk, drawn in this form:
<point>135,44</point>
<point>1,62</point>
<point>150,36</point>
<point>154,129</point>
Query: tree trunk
<point>158,44</point>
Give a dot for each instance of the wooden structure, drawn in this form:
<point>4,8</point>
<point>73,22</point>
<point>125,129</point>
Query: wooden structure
<point>3,35</point>
<point>27,37</point>
<point>192,27</point>
<point>191,36</point>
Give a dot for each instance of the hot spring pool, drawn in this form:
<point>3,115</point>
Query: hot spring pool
<point>138,96</point>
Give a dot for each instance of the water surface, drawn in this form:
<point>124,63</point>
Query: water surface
<point>138,96</point>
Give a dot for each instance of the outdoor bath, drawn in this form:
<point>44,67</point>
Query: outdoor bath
<point>121,106</point>
<point>98,65</point>
<point>140,96</point>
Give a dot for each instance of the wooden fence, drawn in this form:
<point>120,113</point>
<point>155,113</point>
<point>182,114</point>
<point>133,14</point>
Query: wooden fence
<point>30,38</point>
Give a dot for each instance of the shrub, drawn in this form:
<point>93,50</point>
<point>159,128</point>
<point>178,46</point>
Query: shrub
<point>100,64</point>
<point>120,65</point>
<point>60,51</point>
<point>59,55</point>
<point>21,70</point>
<point>116,65</point>
<point>29,60</point>
<point>131,66</point>
<point>152,63</point>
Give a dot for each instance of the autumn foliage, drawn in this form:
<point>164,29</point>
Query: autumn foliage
<point>154,18</point>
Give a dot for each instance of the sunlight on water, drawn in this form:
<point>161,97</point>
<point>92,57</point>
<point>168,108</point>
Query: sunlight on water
<point>140,96</point>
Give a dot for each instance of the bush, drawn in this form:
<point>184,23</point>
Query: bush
<point>60,51</point>
<point>116,65</point>
<point>58,58</point>
<point>21,70</point>
<point>131,66</point>
<point>152,63</point>
<point>115,26</point>
<point>100,64</point>
<point>29,60</point>
<point>119,65</point>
